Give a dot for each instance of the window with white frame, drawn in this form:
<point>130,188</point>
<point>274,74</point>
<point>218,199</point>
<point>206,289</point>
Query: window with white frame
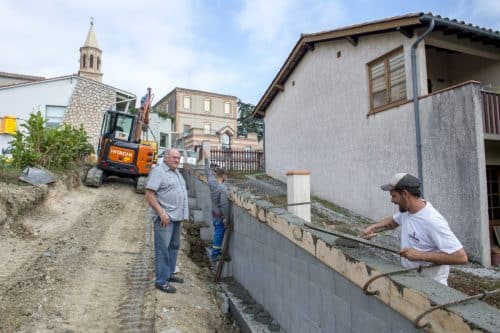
<point>207,128</point>
<point>387,80</point>
<point>227,107</point>
<point>54,115</point>
<point>207,105</point>
<point>225,141</point>
<point>187,102</point>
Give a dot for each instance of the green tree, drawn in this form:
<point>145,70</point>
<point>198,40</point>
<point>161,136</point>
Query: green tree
<point>247,123</point>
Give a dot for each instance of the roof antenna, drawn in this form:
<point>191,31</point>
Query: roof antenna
<point>91,20</point>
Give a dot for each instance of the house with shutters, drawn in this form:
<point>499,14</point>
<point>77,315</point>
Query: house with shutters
<point>417,93</point>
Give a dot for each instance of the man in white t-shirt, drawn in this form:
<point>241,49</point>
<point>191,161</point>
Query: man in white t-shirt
<point>426,236</point>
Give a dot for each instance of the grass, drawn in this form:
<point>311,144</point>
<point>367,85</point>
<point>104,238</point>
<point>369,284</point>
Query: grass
<point>239,174</point>
<point>332,206</point>
<point>9,174</point>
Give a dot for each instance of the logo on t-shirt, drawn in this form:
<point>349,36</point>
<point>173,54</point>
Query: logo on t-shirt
<point>414,237</point>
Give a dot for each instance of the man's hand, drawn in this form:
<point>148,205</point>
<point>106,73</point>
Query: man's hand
<point>226,222</point>
<point>368,233</point>
<point>165,220</point>
<point>411,254</point>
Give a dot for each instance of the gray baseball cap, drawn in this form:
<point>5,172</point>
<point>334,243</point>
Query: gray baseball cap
<point>401,181</point>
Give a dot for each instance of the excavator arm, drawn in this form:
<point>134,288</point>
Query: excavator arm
<point>142,120</point>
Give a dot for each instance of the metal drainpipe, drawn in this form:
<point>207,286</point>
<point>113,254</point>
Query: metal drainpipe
<point>264,143</point>
<point>416,104</point>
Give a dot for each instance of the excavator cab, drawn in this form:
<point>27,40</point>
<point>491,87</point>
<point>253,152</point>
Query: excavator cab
<point>118,126</point>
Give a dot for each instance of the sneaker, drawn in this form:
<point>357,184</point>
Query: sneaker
<point>176,279</point>
<point>166,288</point>
<point>177,269</point>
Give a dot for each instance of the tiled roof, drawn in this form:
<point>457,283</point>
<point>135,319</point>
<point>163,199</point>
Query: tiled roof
<point>404,24</point>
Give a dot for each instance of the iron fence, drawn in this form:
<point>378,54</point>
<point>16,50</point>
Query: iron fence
<point>238,160</point>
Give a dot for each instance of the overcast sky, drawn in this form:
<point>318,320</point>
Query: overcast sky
<point>233,47</point>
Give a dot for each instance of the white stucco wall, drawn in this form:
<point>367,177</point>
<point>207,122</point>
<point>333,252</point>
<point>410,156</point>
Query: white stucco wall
<point>160,125</point>
<point>22,100</point>
<point>319,122</point>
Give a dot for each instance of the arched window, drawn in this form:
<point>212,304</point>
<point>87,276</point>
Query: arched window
<point>98,63</point>
<point>91,61</point>
<point>84,61</point>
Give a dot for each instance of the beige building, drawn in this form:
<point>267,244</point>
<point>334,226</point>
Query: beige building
<point>200,115</point>
<point>90,57</point>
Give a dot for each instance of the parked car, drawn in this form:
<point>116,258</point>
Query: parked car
<point>187,156</point>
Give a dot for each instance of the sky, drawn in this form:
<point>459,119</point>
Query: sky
<point>233,47</point>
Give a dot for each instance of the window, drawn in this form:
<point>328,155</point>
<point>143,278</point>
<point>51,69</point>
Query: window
<point>186,129</point>
<point>207,104</point>
<point>387,80</point>
<point>207,129</point>
<point>227,107</point>
<point>91,61</point>
<point>163,140</point>
<point>225,141</point>
<point>187,102</point>
<point>54,115</point>
<point>98,63</point>
<point>84,60</point>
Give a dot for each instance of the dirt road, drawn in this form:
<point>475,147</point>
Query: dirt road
<point>83,261</point>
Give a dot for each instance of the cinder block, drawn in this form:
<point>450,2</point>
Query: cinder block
<point>342,310</point>
<point>196,215</point>
<point>342,286</point>
<point>192,203</point>
<point>327,313</point>
<point>369,322</point>
<point>320,274</point>
<point>314,302</point>
<point>206,234</point>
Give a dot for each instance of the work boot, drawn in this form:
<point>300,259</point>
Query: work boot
<point>166,288</point>
<point>176,279</point>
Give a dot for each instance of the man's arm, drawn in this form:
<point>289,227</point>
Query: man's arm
<point>210,174</point>
<point>224,205</point>
<point>456,258</point>
<point>153,202</point>
<point>387,223</point>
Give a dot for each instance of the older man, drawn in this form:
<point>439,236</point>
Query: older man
<point>167,196</point>
<point>426,236</point>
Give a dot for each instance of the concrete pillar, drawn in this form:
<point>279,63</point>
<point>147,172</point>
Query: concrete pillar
<point>298,191</point>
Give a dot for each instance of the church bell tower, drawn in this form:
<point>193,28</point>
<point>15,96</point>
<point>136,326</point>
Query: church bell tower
<point>91,56</point>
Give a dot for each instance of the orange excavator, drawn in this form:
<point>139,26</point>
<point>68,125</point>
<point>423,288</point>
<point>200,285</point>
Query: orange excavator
<point>123,151</point>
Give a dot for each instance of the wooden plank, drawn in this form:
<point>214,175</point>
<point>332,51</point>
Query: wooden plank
<point>224,252</point>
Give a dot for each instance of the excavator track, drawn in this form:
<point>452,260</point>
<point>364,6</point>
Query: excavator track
<point>141,185</point>
<point>95,177</point>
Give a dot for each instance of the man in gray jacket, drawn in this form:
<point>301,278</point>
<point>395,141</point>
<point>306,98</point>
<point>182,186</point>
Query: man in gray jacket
<point>220,204</point>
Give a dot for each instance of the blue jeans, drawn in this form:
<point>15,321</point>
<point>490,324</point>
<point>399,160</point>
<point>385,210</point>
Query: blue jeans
<point>167,242</point>
<point>218,237</point>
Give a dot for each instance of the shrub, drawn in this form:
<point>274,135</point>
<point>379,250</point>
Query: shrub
<point>51,148</point>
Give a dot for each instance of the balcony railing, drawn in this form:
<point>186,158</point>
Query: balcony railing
<point>491,113</point>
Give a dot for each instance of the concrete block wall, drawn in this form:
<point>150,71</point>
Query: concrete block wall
<point>301,293</point>
<point>308,284</point>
